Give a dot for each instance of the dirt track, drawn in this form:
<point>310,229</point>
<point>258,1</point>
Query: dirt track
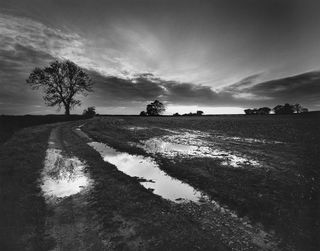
<point>75,226</point>
<point>72,224</point>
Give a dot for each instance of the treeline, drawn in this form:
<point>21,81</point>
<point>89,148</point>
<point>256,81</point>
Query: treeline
<point>156,108</point>
<point>279,109</point>
<point>198,113</point>
<point>260,111</point>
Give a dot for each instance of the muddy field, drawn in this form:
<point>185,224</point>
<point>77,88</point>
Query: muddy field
<point>264,169</point>
<point>163,183</point>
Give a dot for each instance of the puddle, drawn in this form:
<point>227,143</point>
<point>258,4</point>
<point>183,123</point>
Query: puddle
<point>62,176</point>
<point>136,128</point>
<point>148,170</point>
<point>193,145</point>
<point>248,140</point>
<point>152,177</point>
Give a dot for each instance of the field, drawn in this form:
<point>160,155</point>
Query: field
<point>10,124</point>
<point>258,177</point>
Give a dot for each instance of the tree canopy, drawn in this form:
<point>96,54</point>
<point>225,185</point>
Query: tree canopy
<point>155,108</point>
<point>284,109</point>
<point>61,82</point>
<point>279,109</point>
<point>258,111</point>
<point>143,113</point>
<point>89,112</point>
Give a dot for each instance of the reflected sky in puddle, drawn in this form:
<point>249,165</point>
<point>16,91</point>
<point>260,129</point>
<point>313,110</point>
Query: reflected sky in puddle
<point>62,176</point>
<point>135,128</point>
<point>147,168</point>
<point>247,140</point>
<point>190,144</point>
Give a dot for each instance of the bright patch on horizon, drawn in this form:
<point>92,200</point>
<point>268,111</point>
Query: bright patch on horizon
<point>181,109</point>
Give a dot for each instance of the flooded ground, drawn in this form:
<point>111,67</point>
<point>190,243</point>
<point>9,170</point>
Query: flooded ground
<point>151,177</point>
<point>195,144</point>
<point>147,170</point>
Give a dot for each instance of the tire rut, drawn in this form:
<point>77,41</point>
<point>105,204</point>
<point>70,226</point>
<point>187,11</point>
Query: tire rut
<point>71,223</point>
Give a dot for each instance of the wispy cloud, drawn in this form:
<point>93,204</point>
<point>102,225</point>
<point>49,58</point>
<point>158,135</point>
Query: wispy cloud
<point>303,88</point>
<point>22,35</point>
<point>28,33</point>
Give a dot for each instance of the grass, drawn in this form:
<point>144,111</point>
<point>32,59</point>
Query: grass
<point>10,124</point>
<point>23,209</point>
<point>284,198</point>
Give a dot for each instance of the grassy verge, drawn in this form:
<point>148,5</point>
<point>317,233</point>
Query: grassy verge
<point>23,209</point>
<point>10,124</point>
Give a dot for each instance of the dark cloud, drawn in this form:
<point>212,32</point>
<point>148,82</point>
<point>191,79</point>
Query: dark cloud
<point>146,87</point>
<point>303,88</point>
<point>114,89</point>
<point>189,94</point>
<point>15,65</point>
<point>243,83</point>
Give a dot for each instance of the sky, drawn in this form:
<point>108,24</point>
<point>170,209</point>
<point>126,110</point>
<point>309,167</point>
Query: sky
<point>219,56</point>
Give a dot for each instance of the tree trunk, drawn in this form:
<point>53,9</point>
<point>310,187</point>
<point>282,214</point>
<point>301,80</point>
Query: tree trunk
<point>67,110</point>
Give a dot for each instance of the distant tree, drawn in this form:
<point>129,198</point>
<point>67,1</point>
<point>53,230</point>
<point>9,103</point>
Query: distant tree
<point>304,110</point>
<point>155,108</point>
<point>264,110</point>
<point>260,111</point>
<point>297,108</point>
<point>284,109</point>
<point>61,83</point>
<point>277,109</point>
<point>143,113</point>
<point>248,111</point>
<point>199,113</point>
<point>253,111</point>
<point>176,114</point>
<point>89,112</point>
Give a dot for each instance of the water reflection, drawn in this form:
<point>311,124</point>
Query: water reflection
<point>62,176</point>
<point>147,168</point>
<point>193,144</point>
<point>247,140</point>
<point>135,128</point>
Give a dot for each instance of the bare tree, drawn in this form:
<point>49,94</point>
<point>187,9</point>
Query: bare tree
<point>297,108</point>
<point>61,82</point>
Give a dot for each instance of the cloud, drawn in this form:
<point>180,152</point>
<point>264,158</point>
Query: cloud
<point>243,83</point>
<point>21,32</point>
<point>113,90</point>
<point>39,37</point>
<point>303,88</point>
<point>146,87</point>
<point>27,43</point>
